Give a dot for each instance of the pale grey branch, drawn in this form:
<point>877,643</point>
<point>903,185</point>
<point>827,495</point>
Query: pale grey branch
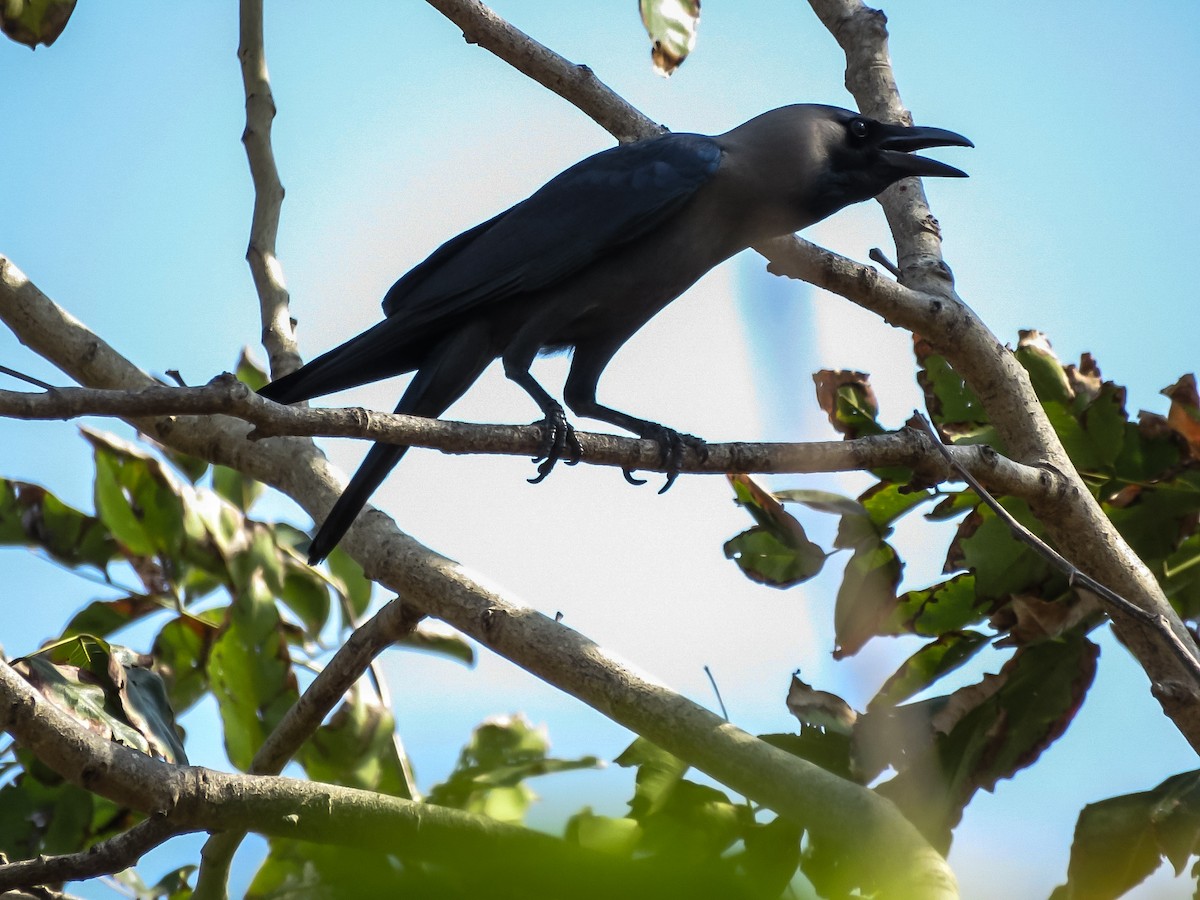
<point>228,396</point>
<point>278,331</point>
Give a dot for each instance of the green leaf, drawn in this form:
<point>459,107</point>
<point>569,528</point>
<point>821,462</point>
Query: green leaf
<point>949,400</point>
<point>182,649</point>
<point>135,497</point>
<point>40,813</point>
<point>250,672</point>
<point>1114,848</point>
<point>1120,841</point>
<point>777,551</point>
<point>950,605</point>
<point>356,748</point>
<point>848,399</point>
<point>828,749</point>
<point>1002,564</point>
<point>823,501</point>
<point>32,516</point>
<point>866,599</point>
<point>771,856</point>
<point>671,25</point>
<point>1105,421</point>
<point>489,779</point>
<point>347,577</point>
<point>235,487</point>
<point>614,836</point>
<point>103,617</point>
<point>764,558</point>
<point>251,372</point>
<point>1044,368</point>
<point>695,822</point>
<point>1181,577</point>
<point>886,502</point>
<point>442,644</point>
<point>307,595</point>
<point>659,772</point>
<point>927,665</point>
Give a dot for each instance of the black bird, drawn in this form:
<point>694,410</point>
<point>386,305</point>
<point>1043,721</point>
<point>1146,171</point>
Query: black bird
<point>590,258</point>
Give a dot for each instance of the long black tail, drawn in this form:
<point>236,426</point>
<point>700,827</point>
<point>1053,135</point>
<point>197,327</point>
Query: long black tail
<point>447,370</point>
<point>380,460</point>
<point>375,354</point>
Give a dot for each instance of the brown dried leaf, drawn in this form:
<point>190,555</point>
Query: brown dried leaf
<point>1184,415</point>
<point>1085,379</point>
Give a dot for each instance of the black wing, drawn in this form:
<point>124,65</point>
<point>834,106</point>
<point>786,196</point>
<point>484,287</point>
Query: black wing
<point>576,218</point>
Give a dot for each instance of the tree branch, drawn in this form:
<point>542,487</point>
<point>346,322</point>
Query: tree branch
<point>105,858</point>
<point>228,396</point>
<point>278,331</point>
<point>576,84</point>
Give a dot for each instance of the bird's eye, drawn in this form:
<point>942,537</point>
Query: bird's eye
<point>859,128</point>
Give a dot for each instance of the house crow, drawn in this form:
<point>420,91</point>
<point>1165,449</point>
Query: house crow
<point>589,258</point>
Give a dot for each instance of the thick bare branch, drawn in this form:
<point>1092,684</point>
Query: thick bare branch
<point>278,333</point>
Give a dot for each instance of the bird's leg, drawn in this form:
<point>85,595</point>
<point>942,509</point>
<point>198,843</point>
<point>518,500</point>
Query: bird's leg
<point>580,394</point>
<point>558,437</point>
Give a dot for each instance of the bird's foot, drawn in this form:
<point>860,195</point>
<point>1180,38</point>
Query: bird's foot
<point>672,446</point>
<point>558,439</point>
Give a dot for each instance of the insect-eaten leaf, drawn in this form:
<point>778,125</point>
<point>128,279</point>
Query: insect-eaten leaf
<point>109,689</point>
<point>672,26</point>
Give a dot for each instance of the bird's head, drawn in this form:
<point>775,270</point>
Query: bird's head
<point>823,158</point>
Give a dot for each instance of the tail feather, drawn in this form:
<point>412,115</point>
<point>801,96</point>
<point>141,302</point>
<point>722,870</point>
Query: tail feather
<point>371,356</point>
<point>380,460</point>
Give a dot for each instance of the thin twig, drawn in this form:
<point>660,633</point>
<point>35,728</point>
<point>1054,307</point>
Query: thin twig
<point>878,256</point>
<point>717,692</point>
<point>28,379</point>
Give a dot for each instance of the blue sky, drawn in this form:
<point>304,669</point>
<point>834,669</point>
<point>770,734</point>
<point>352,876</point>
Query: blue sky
<point>127,199</point>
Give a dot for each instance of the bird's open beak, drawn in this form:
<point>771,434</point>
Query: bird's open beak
<point>898,141</point>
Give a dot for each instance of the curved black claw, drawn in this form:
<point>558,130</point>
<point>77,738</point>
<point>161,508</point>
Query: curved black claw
<point>631,478</point>
<point>672,446</point>
<point>558,438</point>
